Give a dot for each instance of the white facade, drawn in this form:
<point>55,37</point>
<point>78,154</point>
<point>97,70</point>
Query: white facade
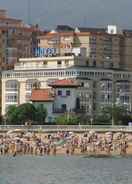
<point>66,100</point>
<point>100,86</point>
<point>45,63</point>
<point>17,84</point>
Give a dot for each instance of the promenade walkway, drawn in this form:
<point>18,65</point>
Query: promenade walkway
<point>72,128</point>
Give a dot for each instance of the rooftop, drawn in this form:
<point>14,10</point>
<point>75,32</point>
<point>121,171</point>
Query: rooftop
<point>64,28</point>
<point>42,95</point>
<point>88,29</point>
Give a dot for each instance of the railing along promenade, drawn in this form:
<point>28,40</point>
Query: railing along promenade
<point>72,128</point>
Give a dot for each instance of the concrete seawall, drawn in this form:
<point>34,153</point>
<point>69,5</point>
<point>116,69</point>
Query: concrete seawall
<point>64,128</point>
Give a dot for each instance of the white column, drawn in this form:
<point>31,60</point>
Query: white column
<point>22,92</point>
<point>3,97</point>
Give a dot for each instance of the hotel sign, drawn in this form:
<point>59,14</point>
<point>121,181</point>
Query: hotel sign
<point>44,52</point>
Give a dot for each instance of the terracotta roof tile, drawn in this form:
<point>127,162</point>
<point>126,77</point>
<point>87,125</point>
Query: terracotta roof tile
<point>42,95</point>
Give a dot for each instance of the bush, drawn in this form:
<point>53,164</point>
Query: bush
<point>25,112</point>
<point>67,120</point>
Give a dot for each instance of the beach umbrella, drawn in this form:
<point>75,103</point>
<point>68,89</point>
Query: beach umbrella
<point>9,132</point>
<point>15,131</point>
<point>91,132</point>
<point>19,131</point>
<point>117,135</point>
<point>60,143</point>
<point>28,134</point>
<point>108,133</point>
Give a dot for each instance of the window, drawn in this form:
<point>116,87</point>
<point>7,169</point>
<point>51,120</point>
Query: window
<point>68,93</point>
<point>63,106</point>
<point>66,62</point>
<point>45,62</point>
<point>32,83</point>
<point>12,85</point>
<point>11,98</point>
<point>59,92</point>
<point>59,62</point>
<point>102,98</point>
<point>87,62</point>
<point>82,84</point>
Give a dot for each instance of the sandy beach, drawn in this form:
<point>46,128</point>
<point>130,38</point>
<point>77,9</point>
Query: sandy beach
<point>66,143</point>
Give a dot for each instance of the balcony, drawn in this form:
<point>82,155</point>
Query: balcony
<point>59,110</point>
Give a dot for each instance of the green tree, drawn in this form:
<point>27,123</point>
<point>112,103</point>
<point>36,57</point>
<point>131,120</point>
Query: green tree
<point>118,114</point>
<point>67,120</point>
<point>40,114</point>
<point>25,112</point>
<point>121,116</point>
<point>11,115</point>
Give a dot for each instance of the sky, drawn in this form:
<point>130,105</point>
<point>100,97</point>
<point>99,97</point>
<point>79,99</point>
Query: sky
<point>86,13</point>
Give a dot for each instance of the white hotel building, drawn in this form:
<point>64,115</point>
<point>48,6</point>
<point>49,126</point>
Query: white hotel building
<point>99,87</point>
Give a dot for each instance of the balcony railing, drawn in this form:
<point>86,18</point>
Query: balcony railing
<point>61,110</point>
<point>56,110</point>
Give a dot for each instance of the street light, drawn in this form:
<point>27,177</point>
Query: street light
<point>91,121</point>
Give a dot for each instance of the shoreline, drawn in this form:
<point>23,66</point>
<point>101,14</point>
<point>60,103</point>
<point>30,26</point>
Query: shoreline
<point>74,155</point>
<point>88,144</point>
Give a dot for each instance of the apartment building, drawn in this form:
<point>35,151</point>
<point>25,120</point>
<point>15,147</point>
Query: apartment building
<point>102,47</point>
<point>2,46</point>
<point>60,41</point>
<point>126,50</point>
<point>99,87</point>
<point>18,40</point>
<point>29,72</point>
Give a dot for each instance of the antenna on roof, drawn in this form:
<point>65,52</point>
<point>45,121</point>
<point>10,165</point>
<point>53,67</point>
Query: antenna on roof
<point>29,11</point>
<point>84,20</point>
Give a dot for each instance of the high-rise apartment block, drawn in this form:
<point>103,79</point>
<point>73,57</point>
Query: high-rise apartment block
<point>16,40</point>
<point>108,48</point>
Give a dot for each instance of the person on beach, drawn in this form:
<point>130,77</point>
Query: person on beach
<point>65,142</point>
<point>54,150</point>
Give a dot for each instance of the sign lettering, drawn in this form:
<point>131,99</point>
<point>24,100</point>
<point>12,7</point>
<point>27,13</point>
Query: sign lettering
<point>41,52</point>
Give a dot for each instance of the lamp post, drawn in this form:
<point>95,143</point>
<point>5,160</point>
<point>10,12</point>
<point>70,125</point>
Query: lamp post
<point>113,122</point>
<point>113,98</point>
<point>91,121</point>
<point>5,122</point>
<point>67,115</point>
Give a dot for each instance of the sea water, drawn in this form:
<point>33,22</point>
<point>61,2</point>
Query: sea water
<point>65,170</point>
